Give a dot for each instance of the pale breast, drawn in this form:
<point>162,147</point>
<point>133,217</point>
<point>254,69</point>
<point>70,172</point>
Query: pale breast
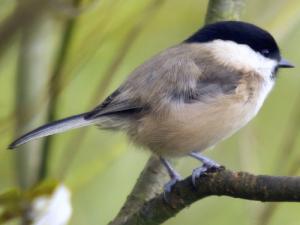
<point>200,125</point>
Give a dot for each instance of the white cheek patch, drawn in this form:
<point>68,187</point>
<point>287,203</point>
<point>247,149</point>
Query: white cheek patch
<point>265,66</point>
<point>242,57</point>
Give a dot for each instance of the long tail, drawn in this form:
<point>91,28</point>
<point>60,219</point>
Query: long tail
<point>53,128</point>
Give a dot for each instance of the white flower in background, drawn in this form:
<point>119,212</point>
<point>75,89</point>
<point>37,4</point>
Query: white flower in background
<point>55,209</point>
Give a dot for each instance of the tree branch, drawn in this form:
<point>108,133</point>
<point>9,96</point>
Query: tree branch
<point>148,185</point>
<point>221,183</point>
<point>219,10</point>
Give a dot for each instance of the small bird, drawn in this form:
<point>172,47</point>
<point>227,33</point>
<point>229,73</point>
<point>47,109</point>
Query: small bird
<point>188,97</point>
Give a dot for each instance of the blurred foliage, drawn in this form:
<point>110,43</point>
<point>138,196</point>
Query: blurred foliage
<point>102,170</point>
<point>13,201</point>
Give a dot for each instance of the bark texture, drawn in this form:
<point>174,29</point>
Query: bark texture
<point>221,183</point>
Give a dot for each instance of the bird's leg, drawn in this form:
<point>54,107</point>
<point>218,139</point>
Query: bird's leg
<point>208,164</point>
<point>173,175</point>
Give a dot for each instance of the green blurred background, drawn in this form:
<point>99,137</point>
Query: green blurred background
<point>111,38</point>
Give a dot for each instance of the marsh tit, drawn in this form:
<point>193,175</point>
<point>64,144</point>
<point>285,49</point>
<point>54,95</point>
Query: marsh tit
<point>188,97</point>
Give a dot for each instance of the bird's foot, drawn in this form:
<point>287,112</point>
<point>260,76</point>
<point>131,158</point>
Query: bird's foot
<point>175,177</point>
<point>204,169</point>
<point>169,187</point>
<point>208,166</point>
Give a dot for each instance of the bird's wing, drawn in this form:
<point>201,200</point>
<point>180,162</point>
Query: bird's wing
<point>177,74</point>
<point>115,104</point>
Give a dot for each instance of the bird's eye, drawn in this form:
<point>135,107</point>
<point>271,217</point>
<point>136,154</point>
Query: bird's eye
<point>265,52</point>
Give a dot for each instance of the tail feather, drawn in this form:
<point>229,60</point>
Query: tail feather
<point>53,128</point>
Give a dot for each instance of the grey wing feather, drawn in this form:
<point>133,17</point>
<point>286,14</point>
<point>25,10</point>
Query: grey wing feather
<point>113,106</point>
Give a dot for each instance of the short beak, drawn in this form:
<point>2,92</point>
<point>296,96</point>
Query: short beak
<point>283,63</point>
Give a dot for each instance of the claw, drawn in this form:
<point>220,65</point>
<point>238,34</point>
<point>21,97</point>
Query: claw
<point>197,173</point>
<point>208,165</point>
<point>200,171</point>
<point>169,187</point>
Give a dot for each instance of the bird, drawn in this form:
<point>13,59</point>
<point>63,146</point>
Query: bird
<point>188,97</point>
